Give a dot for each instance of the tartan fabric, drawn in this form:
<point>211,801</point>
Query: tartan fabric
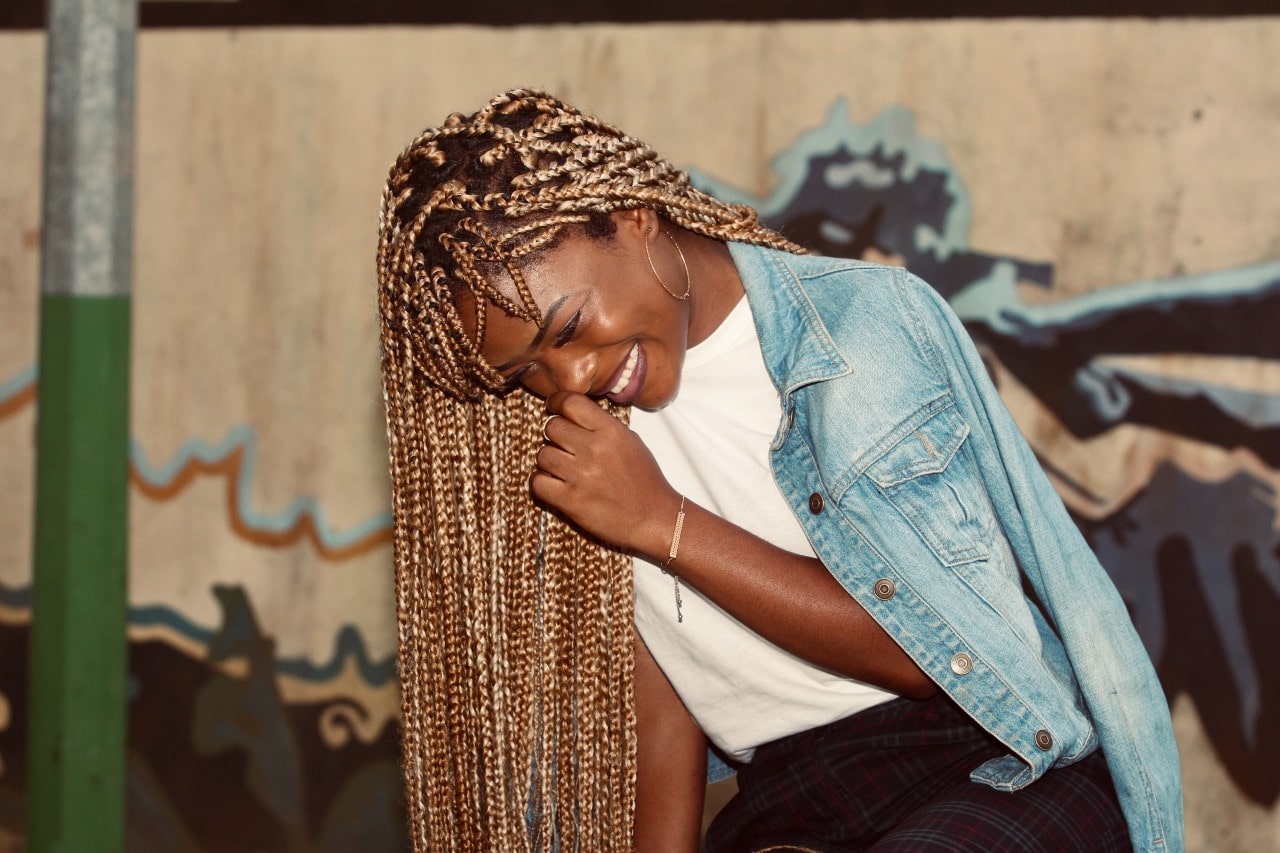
<point>895,777</point>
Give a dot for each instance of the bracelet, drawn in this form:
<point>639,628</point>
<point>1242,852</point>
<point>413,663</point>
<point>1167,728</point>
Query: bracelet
<point>675,537</point>
<point>675,547</point>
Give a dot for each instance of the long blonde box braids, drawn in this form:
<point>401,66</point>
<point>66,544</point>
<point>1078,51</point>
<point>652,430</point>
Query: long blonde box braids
<point>516,643</point>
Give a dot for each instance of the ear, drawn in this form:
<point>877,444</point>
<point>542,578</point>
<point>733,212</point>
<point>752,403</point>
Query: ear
<point>641,222</point>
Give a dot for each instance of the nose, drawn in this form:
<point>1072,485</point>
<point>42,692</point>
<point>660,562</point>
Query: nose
<point>573,371</point>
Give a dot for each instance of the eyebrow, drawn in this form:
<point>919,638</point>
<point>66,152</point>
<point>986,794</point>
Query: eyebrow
<point>548,316</point>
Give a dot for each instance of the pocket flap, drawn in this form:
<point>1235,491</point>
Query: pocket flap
<point>927,449</point>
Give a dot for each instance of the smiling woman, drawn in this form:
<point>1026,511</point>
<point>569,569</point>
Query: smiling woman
<point>516,632</point>
<point>604,387</point>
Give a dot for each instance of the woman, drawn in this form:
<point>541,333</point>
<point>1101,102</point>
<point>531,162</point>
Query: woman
<point>849,575</point>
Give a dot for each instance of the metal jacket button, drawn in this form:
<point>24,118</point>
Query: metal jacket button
<point>791,417</point>
<point>884,589</point>
<point>1044,740</point>
<point>961,663</point>
<point>815,503</point>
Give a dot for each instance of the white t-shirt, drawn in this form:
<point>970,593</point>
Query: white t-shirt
<point>712,443</point>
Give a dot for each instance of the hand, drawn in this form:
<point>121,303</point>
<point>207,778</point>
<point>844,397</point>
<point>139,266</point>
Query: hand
<point>602,478</point>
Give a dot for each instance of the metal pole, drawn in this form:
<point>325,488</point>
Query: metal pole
<point>78,647</point>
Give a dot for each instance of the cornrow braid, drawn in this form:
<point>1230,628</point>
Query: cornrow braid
<point>515,632</point>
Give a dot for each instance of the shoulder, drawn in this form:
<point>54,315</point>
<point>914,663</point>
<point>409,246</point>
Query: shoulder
<point>776,263</point>
<point>834,286</point>
<point>822,317</point>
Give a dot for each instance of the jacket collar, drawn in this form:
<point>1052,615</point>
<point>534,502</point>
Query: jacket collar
<point>798,349</point>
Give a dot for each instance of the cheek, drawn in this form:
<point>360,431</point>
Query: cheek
<point>672,366</point>
<point>539,384</point>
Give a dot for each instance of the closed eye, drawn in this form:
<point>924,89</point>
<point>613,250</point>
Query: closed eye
<point>562,338</point>
<point>516,377</point>
<point>566,334</point>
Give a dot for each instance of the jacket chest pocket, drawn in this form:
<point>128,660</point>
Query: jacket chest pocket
<point>934,485</point>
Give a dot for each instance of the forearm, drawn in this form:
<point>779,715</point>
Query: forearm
<point>790,600</point>
<point>599,474</point>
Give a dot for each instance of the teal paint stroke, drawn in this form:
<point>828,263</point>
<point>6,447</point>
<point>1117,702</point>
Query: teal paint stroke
<point>242,437</point>
<point>994,300</point>
<point>18,383</point>
<point>161,475</point>
<point>348,644</point>
<point>1257,409</point>
<point>893,134</point>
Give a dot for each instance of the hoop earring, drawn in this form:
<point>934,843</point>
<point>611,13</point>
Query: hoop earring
<point>688,279</point>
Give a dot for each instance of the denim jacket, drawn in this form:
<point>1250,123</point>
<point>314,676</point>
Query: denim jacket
<point>920,495</point>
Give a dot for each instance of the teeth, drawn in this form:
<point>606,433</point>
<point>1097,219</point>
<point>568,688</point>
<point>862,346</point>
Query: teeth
<point>625,378</point>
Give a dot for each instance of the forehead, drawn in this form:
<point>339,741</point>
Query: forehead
<point>565,273</point>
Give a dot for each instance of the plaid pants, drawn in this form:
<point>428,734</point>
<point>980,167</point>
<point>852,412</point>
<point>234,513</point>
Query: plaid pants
<point>895,777</point>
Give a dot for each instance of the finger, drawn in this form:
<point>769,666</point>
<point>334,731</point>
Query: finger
<point>578,408</point>
<point>547,489</point>
<point>546,422</point>
<point>554,461</point>
<point>560,431</point>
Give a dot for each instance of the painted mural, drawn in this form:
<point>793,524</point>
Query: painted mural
<point>1154,406</point>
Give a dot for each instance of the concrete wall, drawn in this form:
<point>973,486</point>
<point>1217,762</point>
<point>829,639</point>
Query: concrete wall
<point>1099,176</point>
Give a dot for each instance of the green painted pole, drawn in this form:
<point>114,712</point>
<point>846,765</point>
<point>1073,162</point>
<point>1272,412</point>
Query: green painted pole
<point>76,746</point>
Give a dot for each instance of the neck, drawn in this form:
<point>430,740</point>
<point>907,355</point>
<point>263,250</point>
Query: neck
<point>716,285</point>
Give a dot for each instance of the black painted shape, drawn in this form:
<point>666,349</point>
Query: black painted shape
<point>1164,548</point>
<point>877,208</point>
<point>1054,363</point>
<point>246,716</point>
<point>15,666</point>
<point>223,760</point>
<point>1195,663</point>
<point>200,784</point>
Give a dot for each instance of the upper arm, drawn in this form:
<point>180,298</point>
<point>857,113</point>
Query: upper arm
<point>671,763</point>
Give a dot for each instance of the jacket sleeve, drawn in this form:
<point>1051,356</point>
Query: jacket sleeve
<point>1115,674</point>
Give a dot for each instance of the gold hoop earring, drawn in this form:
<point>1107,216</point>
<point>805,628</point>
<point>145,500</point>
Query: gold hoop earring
<point>688,279</point>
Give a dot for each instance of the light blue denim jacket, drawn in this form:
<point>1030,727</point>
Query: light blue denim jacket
<point>920,495</point>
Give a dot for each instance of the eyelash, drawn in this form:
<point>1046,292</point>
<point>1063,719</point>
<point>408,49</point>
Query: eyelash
<point>569,330</point>
<point>514,379</point>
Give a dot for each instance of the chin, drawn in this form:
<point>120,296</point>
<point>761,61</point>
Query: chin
<point>647,403</point>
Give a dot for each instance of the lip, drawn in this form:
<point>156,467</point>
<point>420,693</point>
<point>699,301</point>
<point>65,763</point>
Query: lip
<point>632,389</point>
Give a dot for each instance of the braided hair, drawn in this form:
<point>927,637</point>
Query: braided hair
<point>515,631</point>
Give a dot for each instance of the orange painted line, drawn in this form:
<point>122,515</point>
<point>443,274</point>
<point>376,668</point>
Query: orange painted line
<point>18,402</point>
<point>228,468</point>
